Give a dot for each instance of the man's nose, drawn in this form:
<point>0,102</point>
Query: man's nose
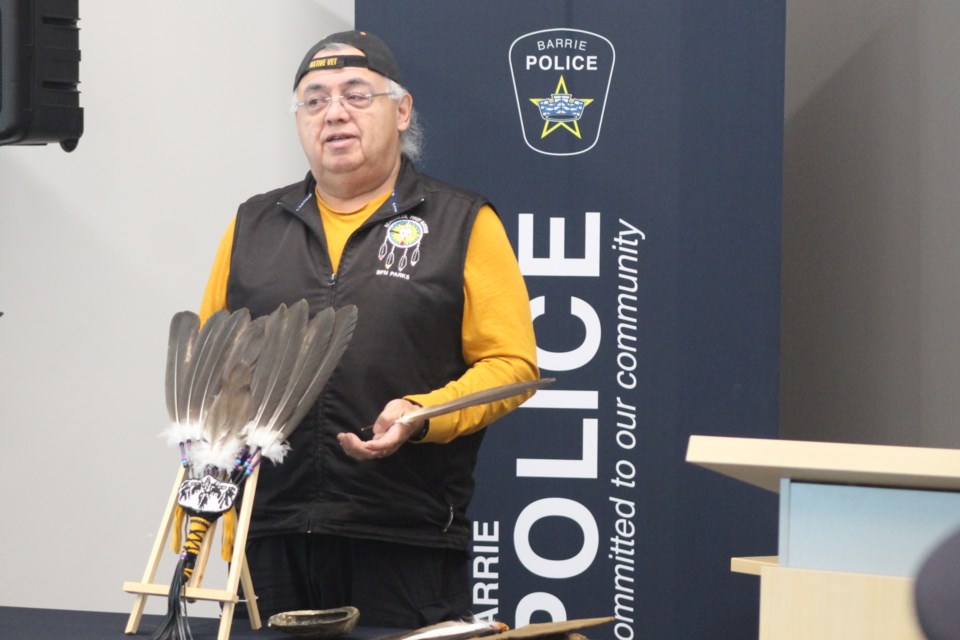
<point>336,110</point>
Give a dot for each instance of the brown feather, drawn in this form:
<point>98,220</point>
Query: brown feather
<point>473,399</point>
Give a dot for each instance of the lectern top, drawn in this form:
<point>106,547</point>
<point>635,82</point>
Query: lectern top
<point>763,462</point>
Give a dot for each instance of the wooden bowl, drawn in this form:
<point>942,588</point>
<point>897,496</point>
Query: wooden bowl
<point>326,623</point>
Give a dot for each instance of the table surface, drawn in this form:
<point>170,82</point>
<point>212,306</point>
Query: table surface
<point>21,623</point>
<point>763,462</point>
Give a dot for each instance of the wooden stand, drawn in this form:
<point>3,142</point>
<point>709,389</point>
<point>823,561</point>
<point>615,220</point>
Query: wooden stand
<point>239,571</point>
<point>856,522</point>
<point>799,604</point>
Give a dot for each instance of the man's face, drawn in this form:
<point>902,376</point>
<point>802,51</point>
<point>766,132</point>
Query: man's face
<point>341,140</point>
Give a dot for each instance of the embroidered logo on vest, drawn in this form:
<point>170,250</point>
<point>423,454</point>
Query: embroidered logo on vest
<point>400,249</point>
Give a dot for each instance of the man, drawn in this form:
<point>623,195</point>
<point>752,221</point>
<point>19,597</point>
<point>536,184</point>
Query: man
<point>376,522</point>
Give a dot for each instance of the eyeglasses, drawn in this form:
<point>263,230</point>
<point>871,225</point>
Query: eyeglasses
<point>358,101</point>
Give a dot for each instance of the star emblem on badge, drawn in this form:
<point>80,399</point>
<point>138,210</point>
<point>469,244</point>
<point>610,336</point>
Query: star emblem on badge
<point>561,109</point>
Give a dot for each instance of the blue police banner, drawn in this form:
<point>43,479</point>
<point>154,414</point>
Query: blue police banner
<point>633,151</point>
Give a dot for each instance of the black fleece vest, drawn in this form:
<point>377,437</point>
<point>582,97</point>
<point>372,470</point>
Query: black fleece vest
<point>403,268</point>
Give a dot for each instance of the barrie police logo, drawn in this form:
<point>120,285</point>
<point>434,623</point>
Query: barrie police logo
<point>561,78</point>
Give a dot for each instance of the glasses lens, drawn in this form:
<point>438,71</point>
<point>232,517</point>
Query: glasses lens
<point>357,100</point>
<point>314,104</point>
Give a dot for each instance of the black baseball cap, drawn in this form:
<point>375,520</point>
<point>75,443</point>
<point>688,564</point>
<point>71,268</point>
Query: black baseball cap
<point>377,56</point>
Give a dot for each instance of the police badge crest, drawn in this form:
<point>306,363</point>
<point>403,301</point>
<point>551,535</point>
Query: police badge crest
<point>561,78</point>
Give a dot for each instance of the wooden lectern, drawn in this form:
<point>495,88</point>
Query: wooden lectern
<point>856,522</point>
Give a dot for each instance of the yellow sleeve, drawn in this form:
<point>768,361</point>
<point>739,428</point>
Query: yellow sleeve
<point>498,339</point>
<point>215,295</point>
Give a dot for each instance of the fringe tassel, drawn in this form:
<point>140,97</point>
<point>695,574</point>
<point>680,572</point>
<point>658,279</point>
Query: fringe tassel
<point>175,624</point>
<point>229,534</point>
<point>177,534</point>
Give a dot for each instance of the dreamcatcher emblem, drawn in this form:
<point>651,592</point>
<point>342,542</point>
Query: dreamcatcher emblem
<point>404,234</point>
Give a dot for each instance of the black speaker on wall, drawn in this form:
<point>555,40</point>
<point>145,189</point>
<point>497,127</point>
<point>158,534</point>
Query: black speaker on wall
<point>40,72</point>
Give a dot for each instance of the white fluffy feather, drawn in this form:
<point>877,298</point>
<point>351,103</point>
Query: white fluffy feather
<point>269,443</point>
<point>175,434</point>
<point>223,456</point>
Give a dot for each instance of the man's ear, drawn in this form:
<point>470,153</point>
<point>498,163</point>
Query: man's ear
<point>404,109</point>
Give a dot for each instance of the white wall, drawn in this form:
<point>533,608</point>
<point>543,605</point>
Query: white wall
<point>186,109</point>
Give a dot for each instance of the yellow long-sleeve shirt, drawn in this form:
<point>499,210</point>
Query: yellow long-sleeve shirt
<point>497,330</point>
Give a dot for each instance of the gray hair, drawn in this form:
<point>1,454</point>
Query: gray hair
<point>411,140</point>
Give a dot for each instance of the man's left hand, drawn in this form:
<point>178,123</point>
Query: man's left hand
<point>388,434</point>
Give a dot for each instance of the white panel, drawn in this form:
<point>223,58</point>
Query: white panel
<point>857,529</point>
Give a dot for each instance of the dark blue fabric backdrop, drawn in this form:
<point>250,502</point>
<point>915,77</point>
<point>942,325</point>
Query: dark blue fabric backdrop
<point>657,300</point>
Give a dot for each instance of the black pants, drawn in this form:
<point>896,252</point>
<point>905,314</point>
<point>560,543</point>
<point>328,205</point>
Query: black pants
<point>393,585</point>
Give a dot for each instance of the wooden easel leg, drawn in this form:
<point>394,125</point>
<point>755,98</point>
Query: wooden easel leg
<point>238,562</point>
<point>153,561</point>
<point>246,581</point>
<point>248,593</point>
<point>253,610</point>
